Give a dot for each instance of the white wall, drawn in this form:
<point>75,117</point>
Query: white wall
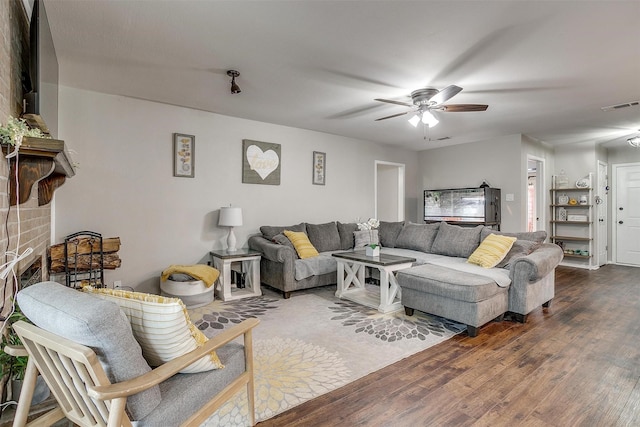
<point>125,187</point>
<point>498,161</point>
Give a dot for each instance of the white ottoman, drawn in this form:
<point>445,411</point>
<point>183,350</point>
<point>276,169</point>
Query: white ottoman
<point>193,294</point>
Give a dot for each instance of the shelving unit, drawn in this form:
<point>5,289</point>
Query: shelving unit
<point>572,213</point>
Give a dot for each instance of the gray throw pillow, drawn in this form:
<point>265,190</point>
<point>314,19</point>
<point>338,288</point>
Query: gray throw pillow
<point>95,323</point>
<point>419,237</point>
<point>535,236</point>
<point>389,232</point>
<point>283,240</point>
<point>346,235</point>
<point>454,240</point>
<point>520,248</point>
<point>365,238</point>
<point>324,237</point>
<point>268,231</point>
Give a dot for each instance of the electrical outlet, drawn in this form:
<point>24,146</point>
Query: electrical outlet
<point>117,284</point>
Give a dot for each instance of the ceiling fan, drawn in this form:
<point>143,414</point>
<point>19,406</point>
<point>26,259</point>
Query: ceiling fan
<point>427,100</point>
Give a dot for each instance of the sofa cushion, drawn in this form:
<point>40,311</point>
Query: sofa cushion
<point>449,283</point>
<point>389,232</point>
<point>535,236</point>
<point>162,327</point>
<point>324,237</point>
<point>97,324</point>
<point>419,237</point>
<point>281,239</point>
<point>268,231</point>
<point>519,249</point>
<point>454,240</point>
<point>346,235</point>
<point>365,238</point>
<point>492,250</point>
<point>303,246</point>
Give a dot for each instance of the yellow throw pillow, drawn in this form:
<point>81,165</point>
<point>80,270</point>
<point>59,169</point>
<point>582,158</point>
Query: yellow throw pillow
<point>162,327</point>
<point>302,244</point>
<point>492,250</point>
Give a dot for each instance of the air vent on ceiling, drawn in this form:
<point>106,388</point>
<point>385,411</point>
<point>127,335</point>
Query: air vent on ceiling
<point>444,138</point>
<point>617,107</point>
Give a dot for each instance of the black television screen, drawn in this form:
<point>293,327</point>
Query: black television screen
<point>42,101</point>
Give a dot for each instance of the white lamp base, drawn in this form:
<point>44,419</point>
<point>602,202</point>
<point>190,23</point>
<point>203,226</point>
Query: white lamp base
<point>231,241</point>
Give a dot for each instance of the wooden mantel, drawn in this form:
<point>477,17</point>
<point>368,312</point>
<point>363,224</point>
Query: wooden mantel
<point>40,160</point>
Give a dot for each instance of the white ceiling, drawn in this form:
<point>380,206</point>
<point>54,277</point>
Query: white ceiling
<point>544,67</point>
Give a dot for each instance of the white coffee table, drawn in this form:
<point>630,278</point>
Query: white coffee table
<point>351,279</point>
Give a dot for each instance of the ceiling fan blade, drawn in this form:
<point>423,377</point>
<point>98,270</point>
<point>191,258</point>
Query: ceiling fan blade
<point>392,116</point>
<point>456,108</point>
<point>445,94</point>
<point>390,101</point>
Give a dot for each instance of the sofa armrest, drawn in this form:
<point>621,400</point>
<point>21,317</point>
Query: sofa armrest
<point>270,250</point>
<point>538,263</point>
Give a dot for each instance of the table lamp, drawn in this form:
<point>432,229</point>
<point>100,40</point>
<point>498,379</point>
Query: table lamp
<point>230,217</point>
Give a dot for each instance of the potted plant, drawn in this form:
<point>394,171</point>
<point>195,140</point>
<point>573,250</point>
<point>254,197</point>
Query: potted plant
<point>372,250</point>
<point>12,367</point>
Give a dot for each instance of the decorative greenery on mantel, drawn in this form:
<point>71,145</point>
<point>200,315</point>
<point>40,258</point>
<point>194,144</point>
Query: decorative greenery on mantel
<point>15,130</point>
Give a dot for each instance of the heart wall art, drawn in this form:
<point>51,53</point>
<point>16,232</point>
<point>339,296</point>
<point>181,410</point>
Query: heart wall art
<point>261,162</point>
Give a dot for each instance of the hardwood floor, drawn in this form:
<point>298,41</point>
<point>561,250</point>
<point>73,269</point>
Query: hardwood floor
<point>576,363</point>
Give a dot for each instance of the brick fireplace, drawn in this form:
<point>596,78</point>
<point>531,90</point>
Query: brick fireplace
<point>34,230</point>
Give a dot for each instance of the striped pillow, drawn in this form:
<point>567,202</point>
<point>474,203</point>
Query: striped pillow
<point>492,250</point>
<point>302,244</point>
<point>162,327</point>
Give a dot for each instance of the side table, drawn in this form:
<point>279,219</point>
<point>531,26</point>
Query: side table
<point>250,260</point>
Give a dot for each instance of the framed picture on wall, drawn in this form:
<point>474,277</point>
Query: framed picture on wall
<point>261,162</point>
<point>184,155</point>
<point>319,168</point>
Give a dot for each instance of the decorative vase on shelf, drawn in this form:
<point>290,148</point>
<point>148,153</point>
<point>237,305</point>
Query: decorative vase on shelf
<point>372,250</point>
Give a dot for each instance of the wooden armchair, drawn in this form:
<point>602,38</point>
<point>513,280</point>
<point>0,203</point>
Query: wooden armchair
<point>79,375</point>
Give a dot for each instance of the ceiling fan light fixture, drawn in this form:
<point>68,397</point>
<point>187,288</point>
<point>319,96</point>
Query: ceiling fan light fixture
<point>414,120</point>
<point>234,87</point>
<point>429,119</point>
<point>634,142</point>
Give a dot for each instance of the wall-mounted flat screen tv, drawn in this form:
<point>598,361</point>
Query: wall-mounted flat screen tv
<point>42,101</point>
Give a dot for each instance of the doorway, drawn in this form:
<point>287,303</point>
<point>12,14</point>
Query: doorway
<point>535,193</point>
<point>389,191</point>
<point>626,214</point>
<point>601,209</point>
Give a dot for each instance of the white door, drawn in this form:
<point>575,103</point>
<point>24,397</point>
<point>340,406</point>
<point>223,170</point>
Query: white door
<point>601,214</point>
<point>535,193</point>
<point>627,214</point>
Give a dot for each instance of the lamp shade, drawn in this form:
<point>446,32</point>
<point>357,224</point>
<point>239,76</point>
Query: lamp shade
<point>230,217</point>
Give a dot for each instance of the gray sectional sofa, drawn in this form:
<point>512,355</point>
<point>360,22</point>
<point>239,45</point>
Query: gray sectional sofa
<point>440,282</point>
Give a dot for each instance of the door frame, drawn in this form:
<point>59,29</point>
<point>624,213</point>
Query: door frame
<point>602,194</point>
<point>614,203</point>
<point>541,200</point>
<point>400,168</point>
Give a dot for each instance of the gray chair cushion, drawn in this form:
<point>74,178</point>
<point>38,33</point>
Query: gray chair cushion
<point>453,240</point>
<point>324,237</point>
<point>95,323</point>
<point>535,236</point>
<point>389,232</point>
<point>268,231</point>
<point>419,237</point>
<point>346,235</point>
<point>182,393</point>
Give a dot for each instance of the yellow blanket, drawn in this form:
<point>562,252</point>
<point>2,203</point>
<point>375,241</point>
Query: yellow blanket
<point>199,271</point>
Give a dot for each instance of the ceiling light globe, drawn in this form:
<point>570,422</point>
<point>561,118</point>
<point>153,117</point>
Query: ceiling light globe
<point>414,120</point>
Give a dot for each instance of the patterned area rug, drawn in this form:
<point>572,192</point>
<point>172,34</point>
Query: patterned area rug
<point>314,343</point>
